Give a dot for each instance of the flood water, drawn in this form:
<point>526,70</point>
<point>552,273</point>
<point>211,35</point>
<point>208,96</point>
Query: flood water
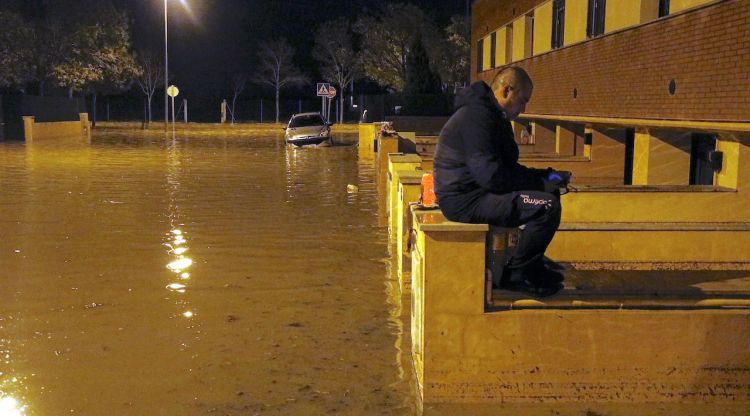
<point>216,273</point>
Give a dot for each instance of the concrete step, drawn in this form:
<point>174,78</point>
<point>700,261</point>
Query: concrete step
<point>627,289</point>
<point>653,245</point>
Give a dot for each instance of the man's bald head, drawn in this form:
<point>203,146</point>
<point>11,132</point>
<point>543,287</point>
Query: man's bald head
<point>512,87</point>
<point>514,77</point>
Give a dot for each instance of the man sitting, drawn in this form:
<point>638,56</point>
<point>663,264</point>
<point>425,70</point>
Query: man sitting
<point>478,178</point>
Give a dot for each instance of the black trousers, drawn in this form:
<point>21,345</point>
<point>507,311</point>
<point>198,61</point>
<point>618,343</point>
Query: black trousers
<point>540,211</point>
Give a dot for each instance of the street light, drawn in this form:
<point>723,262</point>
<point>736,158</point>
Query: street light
<point>166,67</point>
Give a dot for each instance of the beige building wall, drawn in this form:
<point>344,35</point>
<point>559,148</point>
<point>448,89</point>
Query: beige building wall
<point>576,12</point>
<point>545,140</point>
<point>608,152</point>
<point>661,158</point>
<point>679,5</point>
<point>522,38</point>
<point>624,13</point>
<point>735,172</point>
<point>486,49</point>
<point>621,13</point>
<point>569,139</point>
<point>542,28</point>
<point>501,52</point>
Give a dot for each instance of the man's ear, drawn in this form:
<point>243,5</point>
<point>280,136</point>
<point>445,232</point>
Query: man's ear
<point>506,91</point>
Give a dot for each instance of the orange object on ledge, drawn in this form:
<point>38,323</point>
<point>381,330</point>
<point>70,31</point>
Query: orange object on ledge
<point>427,197</point>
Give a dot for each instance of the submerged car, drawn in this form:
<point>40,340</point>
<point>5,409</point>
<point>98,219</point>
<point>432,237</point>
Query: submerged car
<point>307,128</point>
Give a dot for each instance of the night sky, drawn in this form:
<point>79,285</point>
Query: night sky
<point>218,38</point>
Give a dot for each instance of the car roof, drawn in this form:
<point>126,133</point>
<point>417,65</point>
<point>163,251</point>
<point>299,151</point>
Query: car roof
<point>306,115</point>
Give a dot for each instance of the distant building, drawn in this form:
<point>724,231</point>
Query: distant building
<point>632,75</point>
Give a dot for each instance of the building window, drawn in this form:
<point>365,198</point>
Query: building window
<point>529,38</point>
<point>701,147</point>
<point>509,43</point>
<point>480,55</point>
<point>629,151</point>
<point>663,8</point>
<point>558,23</point>
<point>595,21</point>
<point>493,48</point>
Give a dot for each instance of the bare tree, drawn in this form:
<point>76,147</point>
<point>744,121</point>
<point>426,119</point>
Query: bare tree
<point>276,67</point>
<point>338,61</point>
<point>238,85</point>
<point>151,76</point>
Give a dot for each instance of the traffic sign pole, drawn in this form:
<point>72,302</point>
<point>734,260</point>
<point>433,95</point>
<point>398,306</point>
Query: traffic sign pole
<point>331,95</point>
<point>172,91</point>
<point>323,90</point>
<point>173,119</point>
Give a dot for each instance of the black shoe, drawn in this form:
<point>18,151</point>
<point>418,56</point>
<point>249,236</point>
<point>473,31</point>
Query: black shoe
<point>531,288</point>
<point>535,272</point>
<point>538,272</point>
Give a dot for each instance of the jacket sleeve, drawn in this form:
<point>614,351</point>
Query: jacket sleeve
<point>484,163</point>
<point>531,179</point>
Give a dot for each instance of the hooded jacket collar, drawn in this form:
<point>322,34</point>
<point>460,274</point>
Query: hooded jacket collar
<point>478,93</point>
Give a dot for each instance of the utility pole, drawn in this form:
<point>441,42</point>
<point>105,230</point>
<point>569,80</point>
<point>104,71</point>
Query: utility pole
<point>166,72</point>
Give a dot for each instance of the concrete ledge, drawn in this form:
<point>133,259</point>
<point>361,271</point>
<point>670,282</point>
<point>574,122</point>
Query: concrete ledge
<point>661,289</point>
<point>437,222</point>
<point>655,226</point>
<point>572,348</point>
<point>552,157</point>
<point>648,188</point>
<point>689,125</point>
<point>426,144</point>
<point>643,244</point>
<point>398,163</point>
<point>454,226</point>
<point>656,204</point>
<point>367,139</point>
<point>567,301</point>
<point>35,131</point>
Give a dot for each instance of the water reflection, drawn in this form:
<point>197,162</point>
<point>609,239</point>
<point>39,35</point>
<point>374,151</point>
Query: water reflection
<point>10,386</point>
<point>10,406</point>
<point>292,321</point>
<point>176,241</point>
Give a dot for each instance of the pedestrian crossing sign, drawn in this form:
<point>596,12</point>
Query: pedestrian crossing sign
<point>323,89</point>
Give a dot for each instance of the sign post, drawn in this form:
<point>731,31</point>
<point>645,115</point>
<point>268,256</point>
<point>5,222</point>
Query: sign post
<point>322,92</point>
<point>173,91</point>
<point>331,95</point>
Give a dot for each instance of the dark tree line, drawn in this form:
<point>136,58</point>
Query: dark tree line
<point>398,46</point>
<point>84,46</point>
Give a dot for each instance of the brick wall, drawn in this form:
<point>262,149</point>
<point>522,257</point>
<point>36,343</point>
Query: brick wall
<point>627,73</point>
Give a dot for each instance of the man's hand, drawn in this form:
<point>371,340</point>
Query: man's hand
<point>556,180</point>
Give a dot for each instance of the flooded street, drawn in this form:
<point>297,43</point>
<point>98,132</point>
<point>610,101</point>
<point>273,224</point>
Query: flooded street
<point>212,274</point>
<point>220,273</point>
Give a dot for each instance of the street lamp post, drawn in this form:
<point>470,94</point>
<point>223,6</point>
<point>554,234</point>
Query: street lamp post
<point>166,66</point>
<point>166,71</point>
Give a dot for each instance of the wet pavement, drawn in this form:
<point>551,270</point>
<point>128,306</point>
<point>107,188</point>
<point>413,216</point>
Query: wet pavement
<point>217,273</point>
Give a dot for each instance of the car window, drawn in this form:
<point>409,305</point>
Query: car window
<point>306,121</point>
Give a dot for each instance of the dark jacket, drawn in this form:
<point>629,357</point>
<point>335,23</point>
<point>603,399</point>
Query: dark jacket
<point>477,153</point>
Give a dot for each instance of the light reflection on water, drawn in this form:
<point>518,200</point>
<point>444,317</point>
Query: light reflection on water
<point>10,407</point>
<point>227,275</point>
<point>10,384</point>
